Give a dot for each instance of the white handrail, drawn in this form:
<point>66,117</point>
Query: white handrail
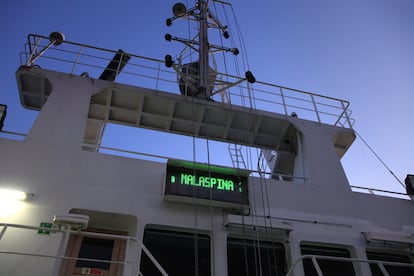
<point>314,259</point>
<point>264,96</point>
<point>88,234</point>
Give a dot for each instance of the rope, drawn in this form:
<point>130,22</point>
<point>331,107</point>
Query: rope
<point>379,158</point>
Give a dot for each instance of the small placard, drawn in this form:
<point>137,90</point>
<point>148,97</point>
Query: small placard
<point>91,271</point>
<point>45,225</point>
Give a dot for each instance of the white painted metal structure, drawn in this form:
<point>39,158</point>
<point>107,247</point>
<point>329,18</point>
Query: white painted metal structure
<point>59,162</point>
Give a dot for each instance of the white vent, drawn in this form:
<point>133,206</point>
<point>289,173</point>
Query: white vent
<point>73,221</point>
<point>393,237</point>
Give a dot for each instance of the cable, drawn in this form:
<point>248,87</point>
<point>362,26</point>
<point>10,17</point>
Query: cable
<point>379,158</point>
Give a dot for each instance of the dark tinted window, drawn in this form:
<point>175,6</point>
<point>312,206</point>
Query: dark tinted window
<point>328,267</point>
<point>254,258</point>
<point>92,248</point>
<point>180,254</point>
<point>392,270</point>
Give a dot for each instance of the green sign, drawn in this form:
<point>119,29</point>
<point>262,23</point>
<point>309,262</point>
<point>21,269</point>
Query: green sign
<point>223,184</point>
<point>45,225</point>
<point>209,183</point>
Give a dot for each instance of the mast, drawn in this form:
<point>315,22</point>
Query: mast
<point>198,79</point>
<point>203,64</point>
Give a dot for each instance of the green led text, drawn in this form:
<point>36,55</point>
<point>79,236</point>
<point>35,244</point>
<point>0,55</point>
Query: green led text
<point>207,182</point>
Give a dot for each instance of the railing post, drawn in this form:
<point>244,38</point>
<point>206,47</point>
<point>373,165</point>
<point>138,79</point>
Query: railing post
<point>127,267</point>
<point>283,100</point>
<point>382,268</point>
<point>158,76</point>
<point>77,60</point>
<point>61,250</point>
<point>3,231</point>
<point>316,108</point>
<point>346,114</point>
<point>316,265</point>
<point>119,64</point>
<point>33,53</point>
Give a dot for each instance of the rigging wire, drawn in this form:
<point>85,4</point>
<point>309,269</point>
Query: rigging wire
<point>379,159</point>
<point>256,242</point>
<point>195,205</point>
<point>263,185</point>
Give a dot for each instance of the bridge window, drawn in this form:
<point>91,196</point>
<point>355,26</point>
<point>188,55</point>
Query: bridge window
<point>177,252</point>
<point>253,258</point>
<point>328,267</point>
<point>390,257</point>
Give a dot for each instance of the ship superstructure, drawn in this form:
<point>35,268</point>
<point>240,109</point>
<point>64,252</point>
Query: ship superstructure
<point>94,210</point>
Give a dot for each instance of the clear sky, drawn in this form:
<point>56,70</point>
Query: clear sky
<point>358,50</point>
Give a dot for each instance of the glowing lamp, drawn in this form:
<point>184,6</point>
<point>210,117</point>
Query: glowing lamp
<point>6,194</point>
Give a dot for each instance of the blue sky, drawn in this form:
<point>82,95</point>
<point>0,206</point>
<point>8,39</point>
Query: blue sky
<point>358,50</point>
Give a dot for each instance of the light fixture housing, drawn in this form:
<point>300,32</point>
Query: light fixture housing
<point>3,113</point>
<point>179,9</point>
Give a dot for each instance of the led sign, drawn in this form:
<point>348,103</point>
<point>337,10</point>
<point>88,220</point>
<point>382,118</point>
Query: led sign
<point>222,186</point>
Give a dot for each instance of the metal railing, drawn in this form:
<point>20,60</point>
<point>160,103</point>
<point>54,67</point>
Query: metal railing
<point>379,192</point>
<point>132,265</point>
<point>76,58</point>
<point>314,259</point>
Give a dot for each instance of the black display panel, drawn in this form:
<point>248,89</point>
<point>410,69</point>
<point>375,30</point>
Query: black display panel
<point>199,181</point>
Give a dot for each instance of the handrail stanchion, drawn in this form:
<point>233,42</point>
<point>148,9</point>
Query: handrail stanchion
<point>316,108</point>
<point>158,76</point>
<point>383,270</point>
<point>283,100</point>
<point>3,231</point>
<point>61,250</point>
<point>127,269</point>
<point>118,68</point>
<point>316,265</point>
<point>77,59</point>
<point>346,114</point>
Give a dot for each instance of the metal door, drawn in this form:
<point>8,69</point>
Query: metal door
<point>88,255</point>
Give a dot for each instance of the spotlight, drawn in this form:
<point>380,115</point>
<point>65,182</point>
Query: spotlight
<point>57,38</point>
<point>179,9</point>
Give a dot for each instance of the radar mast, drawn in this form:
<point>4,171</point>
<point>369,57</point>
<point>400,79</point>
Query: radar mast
<point>198,79</point>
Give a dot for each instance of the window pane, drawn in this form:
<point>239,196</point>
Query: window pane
<point>176,252</point>
<point>392,270</point>
<point>249,257</point>
<point>92,248</point>
<point>328,267</point>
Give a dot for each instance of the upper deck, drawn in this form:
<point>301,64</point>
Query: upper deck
<point>257,115</point>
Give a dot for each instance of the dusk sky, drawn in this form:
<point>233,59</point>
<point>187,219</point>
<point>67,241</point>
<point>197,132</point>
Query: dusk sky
<point>357,50</point>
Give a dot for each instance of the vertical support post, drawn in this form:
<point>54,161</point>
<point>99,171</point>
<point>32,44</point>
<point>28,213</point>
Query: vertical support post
<point>118,68</point>
<point>61,250</point>
<point>345,111</point>
<point>77,60</point>
<point>158,76</point>
<point>283,100</point>
<point>3,231</point>
<point>127,269</point>
<point>316,108</point>
<point>315,263</point>
<point>382,268</point>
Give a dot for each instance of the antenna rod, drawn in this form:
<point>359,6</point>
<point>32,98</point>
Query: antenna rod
<point>203,65</point>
